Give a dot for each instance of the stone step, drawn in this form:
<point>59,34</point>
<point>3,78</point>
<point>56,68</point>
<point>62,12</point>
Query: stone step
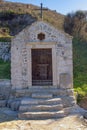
<point>14,104</point>
<point>41,95</point>
<point>40,115</point>
<point>40,90</point>
<point>42,83</point>
<point>2,97</point>
<point>3,103</point>
<point>31,101</point>
<point>35,90</point>
<point>40,107</point>
<point>45,87</point>
<point>53,91</point>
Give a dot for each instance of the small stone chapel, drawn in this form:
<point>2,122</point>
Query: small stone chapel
<point>41,72</point>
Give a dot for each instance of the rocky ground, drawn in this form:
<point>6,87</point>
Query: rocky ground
<point>74,121</point>
<point>83,103</point>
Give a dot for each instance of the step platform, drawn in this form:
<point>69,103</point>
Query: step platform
<point>41,108</point>
<point>40,115</point>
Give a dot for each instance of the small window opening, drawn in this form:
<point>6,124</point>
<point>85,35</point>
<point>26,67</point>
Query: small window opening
<point>41,36</point>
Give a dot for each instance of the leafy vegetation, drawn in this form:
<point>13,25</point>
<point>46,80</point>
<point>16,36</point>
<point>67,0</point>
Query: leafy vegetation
<point>4,70</point>
<point>76,24</point>
<point>16,16</point>
<point>80,68</point>
<point>5,39</point>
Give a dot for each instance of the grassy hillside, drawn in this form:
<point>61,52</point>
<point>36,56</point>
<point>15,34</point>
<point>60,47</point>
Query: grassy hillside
<point>16,16</point>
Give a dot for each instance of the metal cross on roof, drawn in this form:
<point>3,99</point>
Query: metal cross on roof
<point>42,9</point>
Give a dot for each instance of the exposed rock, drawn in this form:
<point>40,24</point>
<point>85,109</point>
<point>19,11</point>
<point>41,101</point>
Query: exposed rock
<point>5,87</point>
<point>85,115</point>
<point>5,51</point>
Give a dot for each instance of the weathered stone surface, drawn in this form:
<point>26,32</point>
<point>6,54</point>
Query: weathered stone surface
<point>54,91</point>
<point>5,49</point>
<point>31,101</point>
<point>41,95</point>
<point>41,107</point>
<point>5,82</point>
<point>14,104</point>
<point>2,97</point>
<point>85,115</point>
<point>33,104</point>
<point>5,88</point>
<point>68,101</point>
<point>41,115</point>
<point>71,122</point>
<point>11,113</point>
<point>3,103</point>
<point>65,80</point>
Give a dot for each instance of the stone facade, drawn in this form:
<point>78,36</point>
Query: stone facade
<point>59,42</point>
<point>40,101</point>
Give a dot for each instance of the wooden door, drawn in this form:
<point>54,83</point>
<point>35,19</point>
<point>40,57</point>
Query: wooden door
<point>41,66</point>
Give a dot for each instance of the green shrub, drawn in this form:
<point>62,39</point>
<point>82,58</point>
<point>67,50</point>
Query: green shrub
<point>4,69</point>
<point>5,39</point>
<point>80,68</point>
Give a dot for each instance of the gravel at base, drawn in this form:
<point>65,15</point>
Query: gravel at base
<point>9,121</point>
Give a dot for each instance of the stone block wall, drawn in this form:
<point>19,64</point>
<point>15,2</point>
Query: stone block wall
<point>5,51</point>
<point>5,88</point>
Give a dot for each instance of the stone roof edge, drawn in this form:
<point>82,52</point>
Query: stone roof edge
<point>66,34</point>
